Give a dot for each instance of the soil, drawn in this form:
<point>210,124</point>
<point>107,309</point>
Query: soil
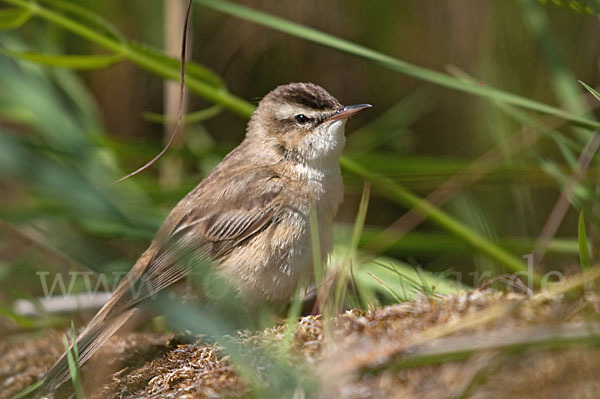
<point>474,344</point>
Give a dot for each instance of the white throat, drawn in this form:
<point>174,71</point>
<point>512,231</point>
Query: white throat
<point>325,144</point>
<point>321,150</point>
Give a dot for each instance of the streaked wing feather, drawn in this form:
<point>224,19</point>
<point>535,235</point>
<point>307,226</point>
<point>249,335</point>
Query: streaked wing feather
<point>204,237</point>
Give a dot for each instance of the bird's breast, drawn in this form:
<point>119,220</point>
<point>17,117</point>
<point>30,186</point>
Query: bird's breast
<point>272,263</point>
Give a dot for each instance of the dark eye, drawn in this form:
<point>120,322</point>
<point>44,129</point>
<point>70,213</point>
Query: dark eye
<point>301,119</point>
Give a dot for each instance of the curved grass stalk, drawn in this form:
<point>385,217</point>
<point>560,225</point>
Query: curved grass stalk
<point>401,195</point>
<point>217,95</point>
<point>389,62</point>
<point>66,61</point>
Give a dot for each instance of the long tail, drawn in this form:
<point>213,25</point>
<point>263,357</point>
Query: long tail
<point>152,272</point>
<point>88,342</point>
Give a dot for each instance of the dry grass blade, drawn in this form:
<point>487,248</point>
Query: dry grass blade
<point>562,205</point>
<point>384,285</point>
<point>541,336</point>
<point>386,353</point>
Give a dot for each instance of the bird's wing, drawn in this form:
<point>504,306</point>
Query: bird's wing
<point>204,235</point>
<point>249,204</point>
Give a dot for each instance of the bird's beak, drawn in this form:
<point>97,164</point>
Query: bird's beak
<point>347,112</point>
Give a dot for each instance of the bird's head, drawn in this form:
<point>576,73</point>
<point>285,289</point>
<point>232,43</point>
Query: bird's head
<point>302,121</point>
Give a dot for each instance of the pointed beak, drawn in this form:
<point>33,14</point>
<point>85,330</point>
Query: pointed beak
<point>347,112</point>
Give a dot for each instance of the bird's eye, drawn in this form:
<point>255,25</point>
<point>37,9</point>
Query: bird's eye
<point>301,119</point>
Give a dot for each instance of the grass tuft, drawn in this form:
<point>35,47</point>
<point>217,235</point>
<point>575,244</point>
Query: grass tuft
<point>73,361</point>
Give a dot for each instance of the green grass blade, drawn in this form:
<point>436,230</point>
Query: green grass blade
<point>74,340</point>
<point>565,144</point>
<point>25,393</point>
<point>192,69</point>
<point>577,6</point>
<point>9,313</point>
<point>359,223</point>
<point>293,314</point>
<point>561,77</point>
<point>584,252</point>
<point>12,18</point>
<point>192,117</point>
<point>402,278</point>
<point>347,263</point>
<point>72,360</point>
<point>316,248</point>
<point>85,15</point>
<point>401,195</point>
<point>66,61</point>
<point>146,59</point>
<point>430,245</point>
<point>591,90</point>
<point>389,62</point>
<point>416,285</point>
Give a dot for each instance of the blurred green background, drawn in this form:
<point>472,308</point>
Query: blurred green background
<point>79,79</point>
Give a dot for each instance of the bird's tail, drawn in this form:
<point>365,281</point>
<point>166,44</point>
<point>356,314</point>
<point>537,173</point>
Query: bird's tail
<point>92,338</point>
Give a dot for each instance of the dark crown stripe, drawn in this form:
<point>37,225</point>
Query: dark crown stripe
<point>308,95</point>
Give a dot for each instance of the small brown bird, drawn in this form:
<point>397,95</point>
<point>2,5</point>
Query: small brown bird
<point>250,215</point>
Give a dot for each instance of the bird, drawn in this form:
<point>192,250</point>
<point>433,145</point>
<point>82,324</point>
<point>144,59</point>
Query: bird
<point>250,216</point>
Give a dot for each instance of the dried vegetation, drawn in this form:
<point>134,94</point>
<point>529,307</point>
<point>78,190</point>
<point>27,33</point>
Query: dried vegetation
<point>481,344</point>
